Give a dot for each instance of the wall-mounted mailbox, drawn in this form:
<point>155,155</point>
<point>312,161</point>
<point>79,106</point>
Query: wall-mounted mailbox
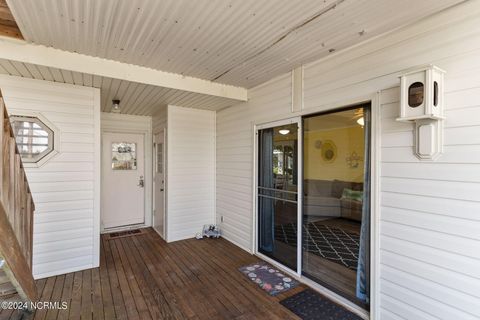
<point>421,94</point>
<point>422,102</point>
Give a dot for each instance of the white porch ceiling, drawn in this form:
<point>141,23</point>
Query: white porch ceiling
<point>136,98</point>
<point>238,42</point>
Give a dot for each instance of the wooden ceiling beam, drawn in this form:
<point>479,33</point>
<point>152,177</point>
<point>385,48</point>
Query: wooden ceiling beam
<point>21,51</point>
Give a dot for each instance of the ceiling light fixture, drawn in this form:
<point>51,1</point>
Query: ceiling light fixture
<point>284,131</point>
<point>361,121</point>
<point>115,105</point>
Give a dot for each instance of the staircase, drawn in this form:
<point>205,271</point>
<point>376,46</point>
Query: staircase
<point>16,219</point>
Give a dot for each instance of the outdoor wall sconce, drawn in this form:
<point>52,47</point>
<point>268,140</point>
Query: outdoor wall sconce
<point>421,102</point>
<point>116,106</point>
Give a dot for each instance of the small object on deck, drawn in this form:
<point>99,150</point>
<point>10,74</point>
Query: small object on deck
<point>211,231</point>
<point>199,236</point>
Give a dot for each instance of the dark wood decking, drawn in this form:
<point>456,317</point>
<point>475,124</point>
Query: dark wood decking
<point>142,277</point>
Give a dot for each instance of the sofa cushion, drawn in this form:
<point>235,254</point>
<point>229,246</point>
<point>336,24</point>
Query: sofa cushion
<point>321,188</point>
<point>322,211</point>
<point>351,209</point>
<point>338,186</point>
<point>321,201</point>
<point>352,195</point>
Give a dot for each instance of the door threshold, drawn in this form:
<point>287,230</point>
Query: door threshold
<point>124,228</point>
<point>347,304</point>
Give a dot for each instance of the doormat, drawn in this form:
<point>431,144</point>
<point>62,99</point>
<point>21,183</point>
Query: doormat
<point>309,305</point>
<point>268,278</point>
<point>127,233</point>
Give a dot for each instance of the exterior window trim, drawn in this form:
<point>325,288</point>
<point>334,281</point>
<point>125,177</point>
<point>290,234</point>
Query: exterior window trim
<point>53,143</point>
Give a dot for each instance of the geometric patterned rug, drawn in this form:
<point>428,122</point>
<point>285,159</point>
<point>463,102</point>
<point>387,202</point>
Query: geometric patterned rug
<point>332,243</point>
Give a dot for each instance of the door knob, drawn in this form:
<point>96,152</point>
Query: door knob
<point>141,182</point>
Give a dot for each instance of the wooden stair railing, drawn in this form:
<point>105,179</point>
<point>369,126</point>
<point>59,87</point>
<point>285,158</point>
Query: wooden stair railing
<point>16,218</point>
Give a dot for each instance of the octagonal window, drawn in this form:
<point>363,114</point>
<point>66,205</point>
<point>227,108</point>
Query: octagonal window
<point>33,137</point>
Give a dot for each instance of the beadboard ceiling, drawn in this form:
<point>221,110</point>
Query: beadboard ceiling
<point>136,98</point>
<point>238,42</point>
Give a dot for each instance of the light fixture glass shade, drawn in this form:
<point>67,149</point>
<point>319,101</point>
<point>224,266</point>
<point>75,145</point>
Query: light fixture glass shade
<point>361,121</point>
<point>116,105</point>
<point>284,131</point>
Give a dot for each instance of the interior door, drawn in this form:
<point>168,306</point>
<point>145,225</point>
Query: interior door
<point>159,185</point>
<point>123,192</point>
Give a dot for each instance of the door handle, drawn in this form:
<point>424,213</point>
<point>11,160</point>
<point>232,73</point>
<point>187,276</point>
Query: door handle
<point>141,182</point>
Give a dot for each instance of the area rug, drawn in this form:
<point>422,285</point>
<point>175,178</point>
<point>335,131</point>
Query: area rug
<point>268,278</point>
<point>309,305</point>
<point>332,243</point>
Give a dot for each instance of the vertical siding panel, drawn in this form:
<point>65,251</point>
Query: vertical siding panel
<point>234,140</point>
<point>63,188</point>
<point>190,171</point>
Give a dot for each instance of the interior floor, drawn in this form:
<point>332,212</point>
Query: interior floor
<point>330,251</point>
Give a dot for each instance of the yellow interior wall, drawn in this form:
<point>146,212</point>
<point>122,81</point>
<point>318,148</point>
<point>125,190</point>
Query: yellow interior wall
<point>347,140</point>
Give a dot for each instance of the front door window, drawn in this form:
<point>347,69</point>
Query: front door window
<point>124,156</point>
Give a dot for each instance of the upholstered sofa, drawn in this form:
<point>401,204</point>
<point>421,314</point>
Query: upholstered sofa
<point>323,198</point>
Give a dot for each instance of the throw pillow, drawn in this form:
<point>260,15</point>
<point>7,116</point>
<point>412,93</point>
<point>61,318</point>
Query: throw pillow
<point>352,195</point>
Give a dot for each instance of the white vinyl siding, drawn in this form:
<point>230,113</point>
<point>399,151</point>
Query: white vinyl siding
<point>190,171</point>
<point>65,189</point>
<point>429,218</point>
<point>235,156</point>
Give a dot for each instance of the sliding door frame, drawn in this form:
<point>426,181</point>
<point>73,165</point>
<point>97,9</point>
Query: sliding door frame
<point>268,125</point>
<point>272,121</point>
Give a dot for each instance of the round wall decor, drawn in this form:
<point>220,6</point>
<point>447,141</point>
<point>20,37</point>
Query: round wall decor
<point>329,151</point>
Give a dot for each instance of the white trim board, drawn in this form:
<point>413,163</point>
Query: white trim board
<point>98,174</point>
<point>18,50</point>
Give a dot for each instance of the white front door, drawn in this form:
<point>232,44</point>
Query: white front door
<point>123,179</point>
<point>159,182</point>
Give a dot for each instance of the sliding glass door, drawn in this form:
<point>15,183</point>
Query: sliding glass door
<point>320,228</point>
<point>278,193</point>
<point>336,202</point>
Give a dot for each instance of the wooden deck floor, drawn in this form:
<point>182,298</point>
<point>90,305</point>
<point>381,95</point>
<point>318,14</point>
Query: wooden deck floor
<point>141,277</point>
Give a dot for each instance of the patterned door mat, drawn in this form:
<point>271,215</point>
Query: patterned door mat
<point>268,278</point>
<point>332,243</point>
<point>309,305</point>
